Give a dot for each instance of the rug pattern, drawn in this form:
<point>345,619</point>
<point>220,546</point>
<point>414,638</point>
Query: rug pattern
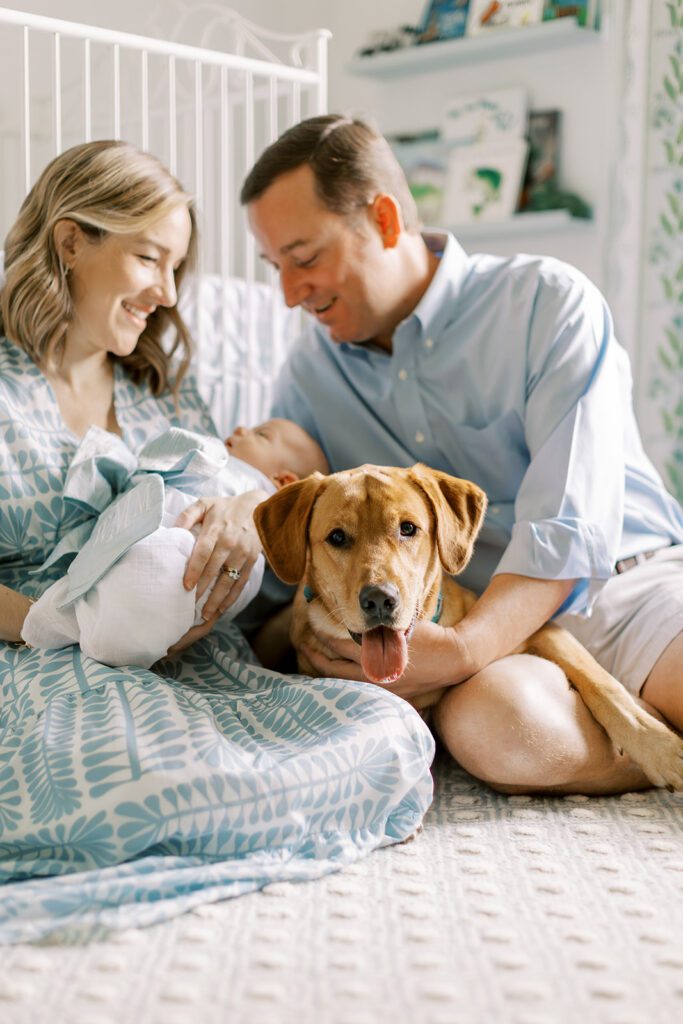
<point>513,910</point>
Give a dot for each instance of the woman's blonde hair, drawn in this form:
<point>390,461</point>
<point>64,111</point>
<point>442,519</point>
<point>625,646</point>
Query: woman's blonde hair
<point>107,188</point>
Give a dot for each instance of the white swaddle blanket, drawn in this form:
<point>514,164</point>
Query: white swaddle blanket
<point>123,599</point>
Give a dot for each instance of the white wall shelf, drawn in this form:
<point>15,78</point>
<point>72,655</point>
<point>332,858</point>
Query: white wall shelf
<point>493,45</point>
<point>521,225</point>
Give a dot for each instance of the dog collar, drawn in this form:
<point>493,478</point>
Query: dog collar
<point>310,596</point>
<point>439,605</point>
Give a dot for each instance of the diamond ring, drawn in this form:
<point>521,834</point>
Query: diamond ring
<point>231,572</point>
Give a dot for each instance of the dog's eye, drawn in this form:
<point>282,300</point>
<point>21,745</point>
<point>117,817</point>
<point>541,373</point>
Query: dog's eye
<point>408,529</point>
<point>337,538</point>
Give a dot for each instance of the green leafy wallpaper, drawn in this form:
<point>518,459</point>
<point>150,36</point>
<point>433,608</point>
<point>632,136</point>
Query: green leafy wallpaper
<point>664,276</point>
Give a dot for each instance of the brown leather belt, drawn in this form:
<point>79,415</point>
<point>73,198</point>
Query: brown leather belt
<point>630,563</point>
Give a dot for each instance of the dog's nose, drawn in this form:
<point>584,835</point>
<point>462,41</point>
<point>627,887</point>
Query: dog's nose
<point>379,603</point>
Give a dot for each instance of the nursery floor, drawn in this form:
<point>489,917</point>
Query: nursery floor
<point>519,910</point>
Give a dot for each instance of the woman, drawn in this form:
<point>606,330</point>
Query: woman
<point>91,287</point>
<point>210,759</point>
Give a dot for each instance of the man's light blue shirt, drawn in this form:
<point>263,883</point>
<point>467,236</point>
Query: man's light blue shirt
<point>507,373</point>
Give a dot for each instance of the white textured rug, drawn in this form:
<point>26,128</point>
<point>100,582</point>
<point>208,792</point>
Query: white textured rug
<point>516,910</point>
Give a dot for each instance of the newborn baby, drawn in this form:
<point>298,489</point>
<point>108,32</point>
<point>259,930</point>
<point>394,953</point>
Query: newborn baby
<point>123,598</point>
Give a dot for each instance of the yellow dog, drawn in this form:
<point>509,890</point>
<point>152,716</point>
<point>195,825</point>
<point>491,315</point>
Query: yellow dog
<point>374,550</point>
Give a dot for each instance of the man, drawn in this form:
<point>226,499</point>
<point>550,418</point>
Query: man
<point>506,372</point>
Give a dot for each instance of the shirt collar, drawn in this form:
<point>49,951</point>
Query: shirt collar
<point>435,308</point>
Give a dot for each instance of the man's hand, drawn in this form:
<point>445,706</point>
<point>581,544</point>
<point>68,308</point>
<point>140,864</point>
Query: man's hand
<point>437,659</point>
<point>227,537</point>
<point>510,610</point>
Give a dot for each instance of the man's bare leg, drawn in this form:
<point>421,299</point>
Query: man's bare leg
<point>663,688</point>
<point>519,727</point>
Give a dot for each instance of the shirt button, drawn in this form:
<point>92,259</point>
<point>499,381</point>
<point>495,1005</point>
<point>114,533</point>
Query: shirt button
<point>419,437</point>
<point>403,375</point>
<point>429,343</point>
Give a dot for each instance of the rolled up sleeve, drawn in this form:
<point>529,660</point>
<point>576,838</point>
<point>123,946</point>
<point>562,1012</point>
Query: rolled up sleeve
<point>570,506</point>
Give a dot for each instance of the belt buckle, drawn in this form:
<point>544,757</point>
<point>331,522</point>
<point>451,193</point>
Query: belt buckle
<point>624,564</point>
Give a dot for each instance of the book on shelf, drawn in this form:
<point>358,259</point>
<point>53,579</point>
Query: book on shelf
<point>585,11</point>
<point>542,189</point>
<point>423,157</point>
<point>496,15</point>
<point>483,182</point>
<point>442,19</point>
<point>542,170</point>
<point>479,117</point>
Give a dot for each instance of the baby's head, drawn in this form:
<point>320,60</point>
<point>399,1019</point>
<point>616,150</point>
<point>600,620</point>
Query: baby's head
<point>281,449</point>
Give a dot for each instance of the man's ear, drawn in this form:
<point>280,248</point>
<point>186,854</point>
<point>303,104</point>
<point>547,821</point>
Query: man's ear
<point>386,214</point>
<point>282,524</point>
<point>285,477</point>
<point>68,240</point>
<point>459,508</point>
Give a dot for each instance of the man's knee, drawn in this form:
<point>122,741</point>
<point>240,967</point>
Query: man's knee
<point>663,689</point>
<point>516,725</point>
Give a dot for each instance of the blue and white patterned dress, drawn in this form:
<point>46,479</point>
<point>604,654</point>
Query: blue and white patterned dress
<point>143,793</point>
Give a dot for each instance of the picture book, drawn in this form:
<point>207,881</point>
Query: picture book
<point>443,19</point>
<point>424,159</point>
<point>484,182</point>
<point>544,153</point>
<point>479,117</point>
<point>585,11</point>
<point>489,15</point>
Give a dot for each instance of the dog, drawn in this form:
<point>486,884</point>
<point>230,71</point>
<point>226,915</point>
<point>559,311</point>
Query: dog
<point>374,550</point>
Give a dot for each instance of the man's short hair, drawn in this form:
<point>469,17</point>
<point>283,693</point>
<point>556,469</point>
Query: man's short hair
<point>351,164</point>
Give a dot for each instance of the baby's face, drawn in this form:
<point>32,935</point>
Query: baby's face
<point>273,446</point>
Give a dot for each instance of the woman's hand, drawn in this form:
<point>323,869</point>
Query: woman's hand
<point>227,540</point>
<point>192,635</point>
<point>437,659</point>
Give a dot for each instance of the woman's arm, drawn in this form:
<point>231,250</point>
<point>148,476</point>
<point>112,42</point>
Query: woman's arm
<point>14,608</point>
<point>227,537</point>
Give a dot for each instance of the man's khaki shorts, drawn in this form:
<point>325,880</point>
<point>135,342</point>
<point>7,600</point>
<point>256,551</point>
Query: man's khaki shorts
<point>635,617</point>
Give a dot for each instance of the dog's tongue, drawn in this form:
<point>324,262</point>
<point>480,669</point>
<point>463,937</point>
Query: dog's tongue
<point>383,654</point>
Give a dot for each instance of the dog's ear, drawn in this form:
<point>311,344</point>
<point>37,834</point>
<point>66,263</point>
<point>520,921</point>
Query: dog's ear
<point>459,508</point>
<point>282,524</point>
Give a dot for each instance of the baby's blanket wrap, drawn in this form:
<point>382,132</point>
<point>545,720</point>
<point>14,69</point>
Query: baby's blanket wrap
<point>122,599</point>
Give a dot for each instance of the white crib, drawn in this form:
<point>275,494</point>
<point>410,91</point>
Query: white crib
<point>207,114</point>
